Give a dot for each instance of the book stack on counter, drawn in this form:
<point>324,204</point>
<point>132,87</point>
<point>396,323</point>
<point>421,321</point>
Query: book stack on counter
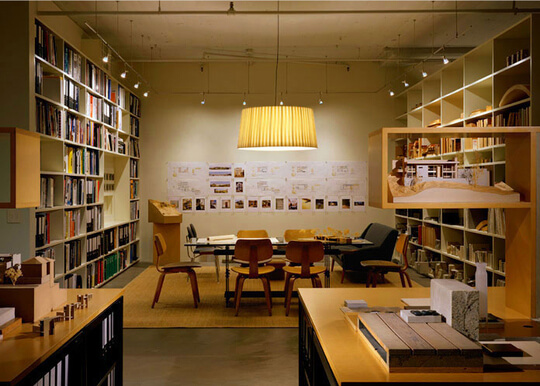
<point>74,191</point>
<point>94,134</point>
<point>134,210</point>
<point>72,255</point>
<point>94,218</point>
<point>74,131</point>
<point>46,198</point>
<point>45,44</point>
<point>48,119</point>
<point>72,223</point>
<point>72,63</point>
<point>94,247</point>
<point>123,235</point>
<point>92,162</point>
<point>73,160</point>
<point>71,95</point>
<point>43,234</point>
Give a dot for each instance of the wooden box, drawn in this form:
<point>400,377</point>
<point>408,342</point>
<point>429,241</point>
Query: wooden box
<point>419,347</point>
<point>32,301</point>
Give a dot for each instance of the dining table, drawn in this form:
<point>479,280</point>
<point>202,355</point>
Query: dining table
<point>224,246</point>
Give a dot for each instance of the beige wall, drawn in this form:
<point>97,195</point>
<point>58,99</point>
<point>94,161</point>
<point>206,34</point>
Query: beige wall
<point>176,127</point>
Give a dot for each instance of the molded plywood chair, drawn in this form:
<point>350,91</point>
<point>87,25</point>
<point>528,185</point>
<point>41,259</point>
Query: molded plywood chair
<point>253,254</point>
<point>252,234</point>
<point>297,234</point>
<point>377,268</point>
<point>180,267</point>
<point>304,253</point>
<point>195,253</point>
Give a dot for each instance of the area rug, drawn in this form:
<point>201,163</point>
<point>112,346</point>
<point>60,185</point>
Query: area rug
<point>175,306</point>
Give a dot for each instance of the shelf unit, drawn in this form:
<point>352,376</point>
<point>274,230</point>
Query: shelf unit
<point>89,128</point>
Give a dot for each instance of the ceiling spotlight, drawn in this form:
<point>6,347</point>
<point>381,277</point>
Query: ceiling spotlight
<point>106,59</point>
<point>136,85</point>
<point>320,98</point>
<point>123,74</point>
<point>146,94</point>
<point>445,60</point>
<point>281,103</point>
<point>203,100</point>
<point>424,74</point>
<point>244,100</point>
<point>391,92</point>
<point>405,83</point>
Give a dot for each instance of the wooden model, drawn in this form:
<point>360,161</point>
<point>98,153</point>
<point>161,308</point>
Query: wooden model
<point>37,270</point>
<point>167,222</point>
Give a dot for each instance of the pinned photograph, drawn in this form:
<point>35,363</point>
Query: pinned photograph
<point>239,171</point>
<point>239,186</point>
<point>332,204</point>
<point>306,203</point>
<point>226,205</point>
<point>292,204</point>
<point>253,204</point>
<point>175,202</point>
<point>200,204</point>
<point>359,205</point>
<point>239,204</point>
<point>266,204</point>
<point>187,204</point>
<point>345,203</point>
<point>279,204</point>
<point>319,204</point>
<point>220,170</point>
<point>213,204</point>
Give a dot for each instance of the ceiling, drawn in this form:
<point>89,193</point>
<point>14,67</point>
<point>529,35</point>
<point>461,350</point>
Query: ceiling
<point>309,30</point>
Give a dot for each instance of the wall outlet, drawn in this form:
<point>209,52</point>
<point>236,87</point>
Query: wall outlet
<point>13,216</point>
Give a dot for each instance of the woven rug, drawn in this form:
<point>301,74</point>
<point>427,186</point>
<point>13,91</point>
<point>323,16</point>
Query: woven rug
<point>175,306</point>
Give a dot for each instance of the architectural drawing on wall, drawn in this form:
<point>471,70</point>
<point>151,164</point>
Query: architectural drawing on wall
<point>273,186</point>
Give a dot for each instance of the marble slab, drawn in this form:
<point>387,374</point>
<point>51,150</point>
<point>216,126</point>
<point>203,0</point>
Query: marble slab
<point>458,303</point>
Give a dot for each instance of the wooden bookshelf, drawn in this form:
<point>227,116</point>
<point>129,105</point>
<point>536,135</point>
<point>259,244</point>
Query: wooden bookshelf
<point>93,145</point>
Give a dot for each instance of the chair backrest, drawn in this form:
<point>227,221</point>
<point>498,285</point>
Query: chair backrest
<point>193,231</point>
<point>295,234</point>
<point>253,252</point>
<point>252,234</point>
<point>161,248</point>
<point>401,248</point>
<point>305,253</point>
<point>189,233</point>
<point>383,237</point>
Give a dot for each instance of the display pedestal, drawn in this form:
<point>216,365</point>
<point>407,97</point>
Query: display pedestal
<point>166,221</point>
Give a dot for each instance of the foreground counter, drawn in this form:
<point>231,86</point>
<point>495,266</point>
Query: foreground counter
<point>332,353</point>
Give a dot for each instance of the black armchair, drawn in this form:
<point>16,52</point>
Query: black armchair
<point>384,240</point>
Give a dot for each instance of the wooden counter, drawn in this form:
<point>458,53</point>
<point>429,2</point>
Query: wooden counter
<point>25,351</point>
<point>348,360</point>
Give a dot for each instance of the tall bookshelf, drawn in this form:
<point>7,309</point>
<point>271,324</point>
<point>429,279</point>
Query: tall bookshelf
<point>469,93</point>
<point>88,219</point>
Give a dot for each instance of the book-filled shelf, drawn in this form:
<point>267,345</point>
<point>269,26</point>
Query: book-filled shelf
<point>491,86</point>
<point>89,126</point>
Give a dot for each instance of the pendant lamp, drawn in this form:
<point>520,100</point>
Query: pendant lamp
<point>277,128</point>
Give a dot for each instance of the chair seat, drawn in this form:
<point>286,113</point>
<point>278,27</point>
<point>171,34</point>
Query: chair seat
<point>181,264</point>
<point>296,270</point>
<point>387,265</point>
<point>263,270</point>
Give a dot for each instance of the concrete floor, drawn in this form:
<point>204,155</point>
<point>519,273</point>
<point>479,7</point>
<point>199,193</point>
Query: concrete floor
<point>211,356</point>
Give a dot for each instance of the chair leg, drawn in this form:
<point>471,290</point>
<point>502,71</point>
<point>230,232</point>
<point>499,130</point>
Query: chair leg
<point>289,295</point>
<point>236,286</point>
<point>316,280</point>
<point>216,260</point>
<point>402,279</point>
<point>342,275</point>
<point>286,289</point>
<point>238,296</point>
<point>197,286</point>
<point>408,278</point>
<point>158,289</point>
<point>374,279</point>
<point>332,266</point>
<point>193,280</point>
<point>266,285</point>
<point>368,280</point>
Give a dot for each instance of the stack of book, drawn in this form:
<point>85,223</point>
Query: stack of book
<point>133,168</point>
<point>72,63</point>
<point>74,132</point>
<point>74,191</point>
<point>134,148</point>
<point>133,253</point>
<point>519,117</point>
<point>46,199</point>
<point>134,210</point>
<point>94,218</point>
<point>43,229</point>
<point>72,255</point>
<point>94,134</point>
<point>71,95</point>
<point>94,247</point>
<point>134,124</point>
<point>109,240</point>
<point>73,160</point>
<point>123,235</point>
<point>133,189</point>
<point>134,105</point>
<point>45,44</point>
<point>48,119</point>
<point>92,191</point>
<point>72,223</point>
<point>133,230</point>
<point>92,162</point>
<point>94,107</point>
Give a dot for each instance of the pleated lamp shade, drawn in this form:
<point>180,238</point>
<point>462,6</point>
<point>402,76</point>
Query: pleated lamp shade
<point>277,128</point>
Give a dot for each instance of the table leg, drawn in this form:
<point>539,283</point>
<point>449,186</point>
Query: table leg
<point>327,272</point>
<point>227,274</point>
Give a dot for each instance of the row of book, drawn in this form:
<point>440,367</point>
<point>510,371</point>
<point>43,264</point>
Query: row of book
<point>72,280</point>
<point>46,197</point>
<point>38,81</point>
<point>109,240</point>
<point>111,116</point>
<point>73,191</point>
<point>94,107</point>
<point>123,235</point>
<point>94,218</point>
<point>133,252</point>
<point>481,253</point>
<point>72,223</point>
<point>121,146</point>
<point>450,145</point>
<point>48,119</point>
<point>92,191</point>
<point>72,255</point>
<point>43,229</point>
<point>72,63</point>
<point>456,249</point>
<point>94,247</point>
<point>45,44</point>
<point>134,210</point>
<point>74,132</point>
<point>496,221</point>
<point>134,105</point>
<point>517,56</point>
<point>92,162</point>
<point>134,148</point>
<point>133,189</point>
<point>94,134</point>
<point>73,160</point>
<point>71,95</point>
<point>133,227</point>
<point>486,122</point>
<point>480,143</point>
<point>120,99</point>
<point>134,168</point>
<point>97,80</point>
<point>110,141</point>
<point>103,270</point>
<point>519,117</point>
<point>428,236</point>
<point>134,125</point>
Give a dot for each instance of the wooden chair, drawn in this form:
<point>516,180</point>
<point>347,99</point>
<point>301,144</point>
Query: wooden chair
<point>378,268</point>
<point>304,253</point>
<point>296,234</point>
<point>180,267</point>
<point>194,253</point>
<point>252,234</point>
<point>255,253</point>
